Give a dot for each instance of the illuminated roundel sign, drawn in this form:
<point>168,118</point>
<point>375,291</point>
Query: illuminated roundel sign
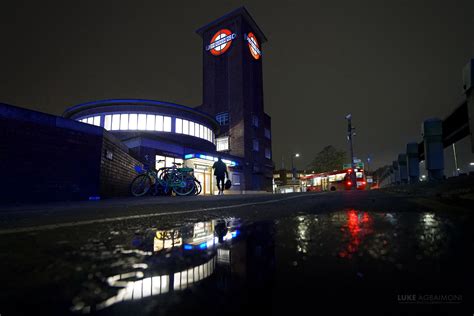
<point>220,42</point>
<point>253,46</point>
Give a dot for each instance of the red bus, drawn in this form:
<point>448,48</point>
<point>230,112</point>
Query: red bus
<point>334,181</point>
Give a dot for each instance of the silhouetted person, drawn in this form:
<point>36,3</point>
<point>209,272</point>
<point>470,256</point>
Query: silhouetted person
<point>220,171</point>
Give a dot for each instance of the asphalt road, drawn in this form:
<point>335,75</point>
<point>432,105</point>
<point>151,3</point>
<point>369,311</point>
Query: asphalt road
<point>30,217</point>
<point>58,258</point>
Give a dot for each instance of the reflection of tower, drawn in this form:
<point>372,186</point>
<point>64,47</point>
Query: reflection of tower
<point>251,259</point>
<point>233,92</point>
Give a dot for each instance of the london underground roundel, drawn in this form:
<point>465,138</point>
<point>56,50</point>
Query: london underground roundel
<point>253,46</point>
<point>221,42</point>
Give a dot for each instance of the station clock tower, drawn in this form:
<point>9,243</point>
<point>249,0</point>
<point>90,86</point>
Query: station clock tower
<point>233,93</point>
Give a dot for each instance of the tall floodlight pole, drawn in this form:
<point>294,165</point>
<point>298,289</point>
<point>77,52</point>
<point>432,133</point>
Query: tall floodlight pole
<point>293,171</point>
<point>350,130</point>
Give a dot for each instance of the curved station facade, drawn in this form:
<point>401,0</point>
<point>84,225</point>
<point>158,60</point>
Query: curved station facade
<point>230,123</point>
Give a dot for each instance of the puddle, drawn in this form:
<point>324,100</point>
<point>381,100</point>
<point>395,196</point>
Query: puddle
<point>230,264</point>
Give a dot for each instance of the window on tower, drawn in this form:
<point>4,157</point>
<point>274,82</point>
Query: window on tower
<point>222,143</point>
<point>254,120</point>
<point>255,145</point>
<point>223,118</point>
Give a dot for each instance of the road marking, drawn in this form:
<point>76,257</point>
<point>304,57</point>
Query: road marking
<point>114,219</point>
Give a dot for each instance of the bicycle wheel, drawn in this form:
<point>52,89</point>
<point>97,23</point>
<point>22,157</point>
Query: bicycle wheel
<point>183,186</point>
<point>197,187</point>
<point>140,185</point>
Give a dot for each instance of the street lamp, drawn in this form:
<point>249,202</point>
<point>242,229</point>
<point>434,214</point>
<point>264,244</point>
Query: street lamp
<point>293,171</point>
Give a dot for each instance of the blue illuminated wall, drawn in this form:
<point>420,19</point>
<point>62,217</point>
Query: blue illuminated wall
<point>49,158</point>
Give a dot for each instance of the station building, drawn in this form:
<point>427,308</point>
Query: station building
<point>230,122</point>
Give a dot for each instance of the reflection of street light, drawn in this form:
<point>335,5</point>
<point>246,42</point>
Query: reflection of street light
<point>292,164</point>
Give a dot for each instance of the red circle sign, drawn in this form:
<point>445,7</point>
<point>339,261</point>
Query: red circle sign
<point>220,42</point>
<point>253,46</point>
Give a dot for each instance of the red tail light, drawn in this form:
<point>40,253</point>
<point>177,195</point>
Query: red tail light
<point>349,183</point>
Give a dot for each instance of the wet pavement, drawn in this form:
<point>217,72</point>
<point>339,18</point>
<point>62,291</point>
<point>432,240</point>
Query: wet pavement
<point>296,256</point>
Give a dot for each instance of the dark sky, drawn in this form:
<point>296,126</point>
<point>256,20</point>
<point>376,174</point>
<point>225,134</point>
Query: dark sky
<point>390,63</point>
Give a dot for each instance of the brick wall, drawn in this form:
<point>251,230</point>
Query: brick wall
<point>116,168</point>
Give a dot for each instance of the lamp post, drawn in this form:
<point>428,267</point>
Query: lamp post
<point>350,133</point>
<point>293,171</point>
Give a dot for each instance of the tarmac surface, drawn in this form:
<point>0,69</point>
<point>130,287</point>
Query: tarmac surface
<point>385,252</point>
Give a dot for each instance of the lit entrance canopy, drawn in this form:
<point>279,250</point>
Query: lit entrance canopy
<point>210,158</point>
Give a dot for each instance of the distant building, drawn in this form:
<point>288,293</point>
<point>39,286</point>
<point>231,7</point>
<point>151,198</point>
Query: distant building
<point>283,181</point>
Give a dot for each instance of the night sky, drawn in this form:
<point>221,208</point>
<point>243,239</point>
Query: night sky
<point>389,63</point>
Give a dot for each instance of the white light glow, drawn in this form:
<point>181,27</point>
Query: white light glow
<point>186,127</point>
<point>159,123</point>
<point>133,122</point>
<point>141,122</point>
<point>179,126</point>
<point>167,124</point>
<point>115,122</point>
<point>124,122</point>
<point>150,122</point>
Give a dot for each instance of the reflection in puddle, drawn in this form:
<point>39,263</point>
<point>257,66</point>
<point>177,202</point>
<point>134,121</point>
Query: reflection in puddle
<point>193,248</point>
<point>228,254</point>
<point>358,227</point>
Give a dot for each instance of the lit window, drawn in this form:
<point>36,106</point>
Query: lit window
<point>255,145</point>
<point>165,283</point>
<point>167,124</point>
<point>179,126</point>
<point>267,133</point>
<point>169,161</point>
<point>255,120</point>
<point>201,131</point>
<point>223,118</point>
<point>222,143</point>
<point>191,128</point>
<point>159,123</point>
<point>160,161</point>
<point>150,122</point>
<point>97,120</point>
<point>124,122</point>
<point>177,281</point>
<point>115,122</point>
<point>133,123</point>
<point>268,153</point>
<point>90,120</point>
<point>186,127</point>
<point>141,122</point>
<point>108,122</point>
<point>196,129</point>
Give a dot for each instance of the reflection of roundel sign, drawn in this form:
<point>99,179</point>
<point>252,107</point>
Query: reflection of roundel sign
<point>253,46</point>
<point>220,42</point>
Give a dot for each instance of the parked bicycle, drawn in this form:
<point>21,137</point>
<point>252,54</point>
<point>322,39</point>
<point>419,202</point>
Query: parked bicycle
<point>164,181</point>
